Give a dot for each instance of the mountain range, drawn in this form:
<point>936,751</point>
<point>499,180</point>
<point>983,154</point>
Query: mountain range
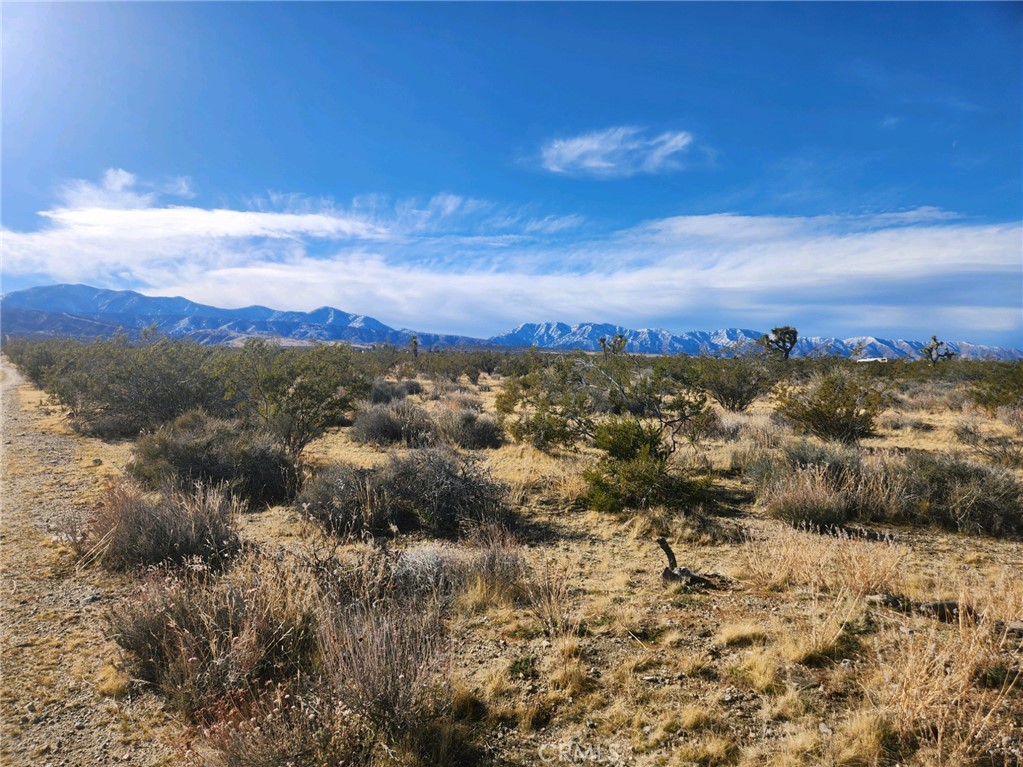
<point>87,312</point>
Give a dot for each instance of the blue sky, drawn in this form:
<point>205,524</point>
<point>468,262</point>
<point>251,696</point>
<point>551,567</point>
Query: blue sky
<point>848,169</point>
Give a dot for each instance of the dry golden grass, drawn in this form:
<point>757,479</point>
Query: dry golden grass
<point>949,688</point>
<point>759,670</point>
<point>784,557</point>
<point>826,635</point>
<point>741,635</point>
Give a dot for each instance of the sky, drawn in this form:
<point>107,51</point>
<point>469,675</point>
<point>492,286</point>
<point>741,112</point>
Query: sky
<point>848,169</point>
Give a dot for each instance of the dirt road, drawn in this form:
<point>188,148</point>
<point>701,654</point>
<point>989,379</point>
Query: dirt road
<point>63,700</point>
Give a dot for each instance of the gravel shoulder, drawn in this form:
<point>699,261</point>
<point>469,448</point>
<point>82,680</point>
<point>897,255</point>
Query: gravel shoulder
<point>63,698</point>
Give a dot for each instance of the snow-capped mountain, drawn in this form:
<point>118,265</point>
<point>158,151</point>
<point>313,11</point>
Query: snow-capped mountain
<point>87,312</point>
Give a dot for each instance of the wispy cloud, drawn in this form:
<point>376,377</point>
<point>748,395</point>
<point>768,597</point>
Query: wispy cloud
<point>457,264</point>
<point>618,151</point>
<point>120,189</point>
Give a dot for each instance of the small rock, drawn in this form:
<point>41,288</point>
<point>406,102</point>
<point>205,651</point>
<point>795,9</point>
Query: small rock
<point>824,729</point>
<point>31,707</point>
<point>97,461</point>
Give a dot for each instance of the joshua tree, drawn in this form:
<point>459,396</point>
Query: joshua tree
<point>615,346</point>
<point>413,345</point>
<point>781,339</point>
<point>935,351</point>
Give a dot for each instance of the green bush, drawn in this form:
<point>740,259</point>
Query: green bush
<point>737,382</point>
<point>198,448</point>
<point>837,405</point>
<point>643,481</point>
<point>293,393</point>
<point>115,388</point>
<point>625,439</point>
<point>1001,387</point>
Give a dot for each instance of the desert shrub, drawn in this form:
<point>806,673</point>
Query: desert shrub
<point>287,725</point>
<point>37,359</point>
<point>431,571</point>
<point>838,460</point>
<point>1003,449</point>
<point>767,468</point>
<point>434,489</point>
<point>953,492</point>
<point>386,665</point>
<point>838,405</point>
<point>417,427</point>
<point>133,528</point>
<point>736,383</point>
<point>203,641</point>
<point>389,424</point>
<point>1002,386</point>
<point>468,429</point>
<point>626,439</point>
<point>383,392</point>
<point>920,488</point>
<point>376,425</point>
<point>384,662</point>
<point>635,471</point>
<point>807,497</point>
<point>293,393</point>
<point>878,488</point>
<point>440,490</point>
<point>345,500</point>
<point>440,572</point>
<point>114,387</point>
<point>198,448</point>
<point>640,482</point>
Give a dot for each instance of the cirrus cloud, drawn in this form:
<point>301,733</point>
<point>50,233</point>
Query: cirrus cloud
<point>616,152</point>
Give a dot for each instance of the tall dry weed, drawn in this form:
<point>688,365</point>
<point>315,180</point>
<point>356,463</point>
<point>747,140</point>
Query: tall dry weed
<point>789,557</point>
<point>937,690</point>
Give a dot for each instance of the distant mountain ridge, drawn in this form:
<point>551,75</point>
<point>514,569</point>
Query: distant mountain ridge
<point>88,312</point>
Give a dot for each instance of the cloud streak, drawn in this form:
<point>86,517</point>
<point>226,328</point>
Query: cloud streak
<point>461,265</point>
<point>616,152</point>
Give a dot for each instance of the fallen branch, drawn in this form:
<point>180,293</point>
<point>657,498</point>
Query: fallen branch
<point>683,574</point>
